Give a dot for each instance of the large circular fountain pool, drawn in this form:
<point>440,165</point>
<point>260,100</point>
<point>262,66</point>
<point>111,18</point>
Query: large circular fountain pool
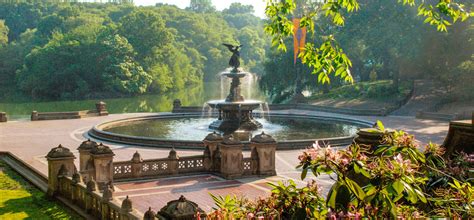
<point>196,128</point>
<point>187,130</point>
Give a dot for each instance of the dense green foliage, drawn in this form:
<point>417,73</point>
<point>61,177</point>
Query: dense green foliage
<point>21,200</point>
<point>391,180</point>
<point>382,39</point>
<point>82,50</point>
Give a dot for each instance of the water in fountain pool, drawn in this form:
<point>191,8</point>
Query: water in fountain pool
<point>198,128</point>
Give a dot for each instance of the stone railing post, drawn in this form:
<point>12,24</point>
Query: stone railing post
<point>210,143</point>
<point>84,157</point>
<point>3,117</point>
<point>101,108</point>
<point>265,147</point>
<point>173,161</point>
<point>136,164</point>
<point>91,187</point>
<point>103,163</point>
<point>231,158</point>
<point>34,116</point>
<point>126,208</point>
<point>76,180</point>
<point>59,159</point>
<point>107,196</point>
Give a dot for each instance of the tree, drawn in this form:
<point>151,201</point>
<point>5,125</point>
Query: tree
<point>328,58</point>
<point>3,33</point>
<point>201,6</point>
<point>145,30</point>
<point>239,8</point>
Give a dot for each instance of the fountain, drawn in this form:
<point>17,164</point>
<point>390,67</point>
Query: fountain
<point>235,113</point>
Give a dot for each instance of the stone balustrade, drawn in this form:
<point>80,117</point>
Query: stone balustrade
<point>91,188</point>
<point>64,181</point>
<point>99,205</point>
<point>221,156</point>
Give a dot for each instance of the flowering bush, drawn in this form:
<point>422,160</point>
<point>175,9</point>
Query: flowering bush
<point>393,180</point>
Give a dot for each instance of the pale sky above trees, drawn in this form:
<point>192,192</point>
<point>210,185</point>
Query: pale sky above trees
<point>258,5</point>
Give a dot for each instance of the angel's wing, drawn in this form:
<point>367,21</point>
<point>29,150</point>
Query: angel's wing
<point>229,46</point>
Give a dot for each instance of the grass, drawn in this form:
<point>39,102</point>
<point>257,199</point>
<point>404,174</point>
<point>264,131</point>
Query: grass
<point>21,200</point>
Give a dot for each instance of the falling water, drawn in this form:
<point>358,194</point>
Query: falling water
<point>222,86</point>
<point>206,111</point>
<point>249,85</point>
<point>266,110</point>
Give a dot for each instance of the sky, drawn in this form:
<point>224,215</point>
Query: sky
<point>258,5</point>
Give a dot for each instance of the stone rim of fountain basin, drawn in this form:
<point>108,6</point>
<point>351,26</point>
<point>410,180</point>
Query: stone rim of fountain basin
<point>97,132</point>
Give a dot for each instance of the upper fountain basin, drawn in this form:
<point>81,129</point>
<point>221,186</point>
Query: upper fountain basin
<point>233,74</point>
<point>246,105</point>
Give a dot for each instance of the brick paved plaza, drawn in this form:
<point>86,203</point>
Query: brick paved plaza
<point>31,141</point>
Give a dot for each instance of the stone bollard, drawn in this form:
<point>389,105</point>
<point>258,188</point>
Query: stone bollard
<point>136,164</point>
<point>101,108</point>
<point>3,117</point>
<point>102,157</point>
<point>176,105</point>
<point>59,159</point>
<point>231,158</point>
<point>34,116</point>
<point>173,163</point>
<point>265,147</point>
<point>149,215</point>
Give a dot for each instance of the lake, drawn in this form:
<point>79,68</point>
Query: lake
<point>191,96</point>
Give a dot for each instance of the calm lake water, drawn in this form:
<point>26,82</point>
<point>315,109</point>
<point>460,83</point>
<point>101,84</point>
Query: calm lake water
<point>191,96</point>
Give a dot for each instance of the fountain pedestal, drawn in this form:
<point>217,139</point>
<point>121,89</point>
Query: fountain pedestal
<point>235,113</point>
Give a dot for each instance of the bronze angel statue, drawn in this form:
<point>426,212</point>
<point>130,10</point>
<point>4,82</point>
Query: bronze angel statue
<point>234,60</point>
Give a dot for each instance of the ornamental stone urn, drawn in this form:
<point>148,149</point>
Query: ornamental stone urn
<point>181,209</point>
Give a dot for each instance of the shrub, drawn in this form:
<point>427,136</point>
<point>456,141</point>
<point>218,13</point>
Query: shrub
<point>393,180</point>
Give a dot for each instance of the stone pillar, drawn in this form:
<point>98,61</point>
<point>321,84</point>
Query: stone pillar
<point>265,147</point>
<point>3,117</point>
<point>101,108</point>
<point>173,161</point>
<point>85,155</point>
<point>59,158</point>
<point>231,158</point>
<point>210,143</point>
<point>103,163</point>
<point>34,116</point>
<point>136,164</point>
